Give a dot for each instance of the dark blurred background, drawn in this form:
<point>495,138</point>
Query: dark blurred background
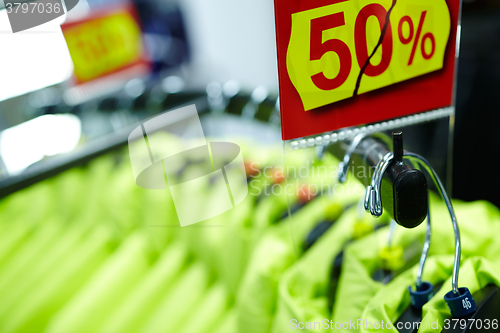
<point>477,127</point>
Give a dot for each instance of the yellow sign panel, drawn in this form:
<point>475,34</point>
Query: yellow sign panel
<point>349,48</point>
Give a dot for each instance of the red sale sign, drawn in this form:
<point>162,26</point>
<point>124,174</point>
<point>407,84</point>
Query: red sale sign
<point>345,63</point>
<point>105,43</point>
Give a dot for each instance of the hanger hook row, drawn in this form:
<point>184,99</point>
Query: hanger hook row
<point>373,204</point>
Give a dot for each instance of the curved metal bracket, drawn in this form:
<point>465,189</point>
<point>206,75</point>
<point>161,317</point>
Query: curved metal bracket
<point>373,204</point>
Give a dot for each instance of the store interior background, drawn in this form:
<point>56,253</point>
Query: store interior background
<point>235,40</point>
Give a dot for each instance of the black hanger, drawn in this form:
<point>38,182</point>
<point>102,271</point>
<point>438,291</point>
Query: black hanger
<point>487,309</point>
<point>404,183</point>
<point>403,189</point>
<point>412,315</point>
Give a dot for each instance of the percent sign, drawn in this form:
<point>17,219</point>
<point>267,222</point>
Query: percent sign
<point>407,40</point>
<point>336,20</point>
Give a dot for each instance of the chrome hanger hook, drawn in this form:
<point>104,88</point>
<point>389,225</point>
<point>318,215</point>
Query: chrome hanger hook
<point>442,191</point>
<point>344,165</point>
<point>425,250</point>
<point>427,242</point>
<point>373,200</point>
<point>373,203</point>
<point>392,231</point>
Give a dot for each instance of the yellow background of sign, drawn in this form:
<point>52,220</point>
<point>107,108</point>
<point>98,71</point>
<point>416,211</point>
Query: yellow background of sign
<point>301,68</point>
<point>98,47</point>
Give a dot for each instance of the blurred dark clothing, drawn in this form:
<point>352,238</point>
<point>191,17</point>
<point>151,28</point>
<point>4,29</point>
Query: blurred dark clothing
<point>477,128</point>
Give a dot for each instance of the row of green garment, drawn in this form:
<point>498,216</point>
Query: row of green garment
<point>90,251</point>
<point>372,285</point>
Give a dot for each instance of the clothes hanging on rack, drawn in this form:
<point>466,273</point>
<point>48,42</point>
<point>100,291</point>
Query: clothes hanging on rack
<point>389,302</point>
<point>476,273</point>
<point>90,251</point>
<point>357,285</point>
<point>146,295</point>
<point>303,289</point>
<point>259,289</point>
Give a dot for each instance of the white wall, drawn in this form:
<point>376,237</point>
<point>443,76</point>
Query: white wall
<point>32,59</point>
<point>233,39</point>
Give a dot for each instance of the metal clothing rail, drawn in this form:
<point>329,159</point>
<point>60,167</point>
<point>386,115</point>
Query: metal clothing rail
<point>404,190</point>
<point>99,146</point>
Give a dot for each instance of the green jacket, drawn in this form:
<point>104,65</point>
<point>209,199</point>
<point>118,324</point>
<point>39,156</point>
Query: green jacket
<point>475,274</point>
<point>392,299</point>
<point>356,285</point>
<point>304,287</point>
<point>279,249</point>
<point>389,302</point>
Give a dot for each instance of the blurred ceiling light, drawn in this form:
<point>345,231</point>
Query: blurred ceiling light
<point>214,89</point>
<point>260,94</point>
<point>231,88</point>
<point>172,84</point>
<point>32,59</point>
<point>29,142</point>
<point>134,87</point>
